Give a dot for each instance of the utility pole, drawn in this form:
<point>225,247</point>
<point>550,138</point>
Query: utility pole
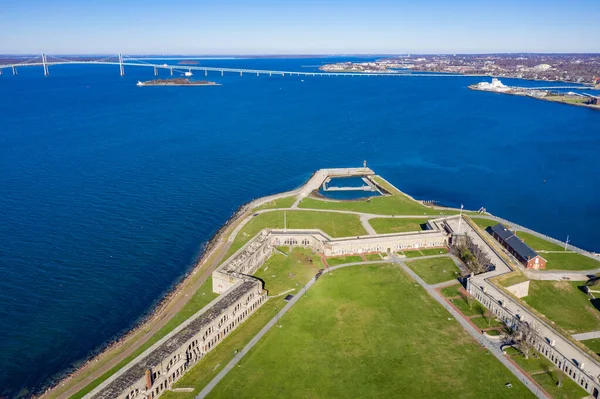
<point>284,221</point>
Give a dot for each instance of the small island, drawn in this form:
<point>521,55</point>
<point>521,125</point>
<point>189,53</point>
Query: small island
<point>177,82</point>
<point>571,98</point>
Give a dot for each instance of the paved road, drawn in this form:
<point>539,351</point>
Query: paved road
<point>491,346</point>
<point>587,335</point>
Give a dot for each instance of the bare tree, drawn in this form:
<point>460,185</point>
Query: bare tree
<point>524,338</point>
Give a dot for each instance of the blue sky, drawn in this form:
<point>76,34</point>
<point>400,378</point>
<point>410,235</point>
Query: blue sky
<point>298,27</point>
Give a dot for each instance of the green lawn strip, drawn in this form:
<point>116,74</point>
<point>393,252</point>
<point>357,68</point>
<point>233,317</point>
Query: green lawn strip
<point>281,273</point>
<point>201,298</point>
<point>387,186</point>
<point>397,225</point>
<point>593,344</point>
<point>474,309</point>
<point>332,223</point>
<point>387,205</point>
<point>435,270</point>
<point>493,333</point>
<point>413,253</point>
<point>373,257</point>
<point>569,389</point>
<point>368,331</point>
<point>284,202</point>
<point>537,243</point>
<point>516,279</point>
<point>434,251</point>
<point>451,291</point>
<point>343,259</point>
<point>483,223</point>
<point>545,373</point>
<point>565,304</point>
<point>569,261</point>
<point>486,322</point>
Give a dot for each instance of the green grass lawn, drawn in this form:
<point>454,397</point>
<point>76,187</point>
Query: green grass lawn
<point>396,204</point>
<point>593,344</point>
<point>373,257</point>
<point>434,251</point>
<point>475,308</point>
<point>435,270</point>
<point>563,303</point>
<point>486,322</point>
<point>516,279</point>
<point>281,273</point>
<point>343,259</point>
<point>546,374</point>
<point>201,298</point>
<point>483,223</point>
<point>284,202</point>
<point>334,224</point>
<point>368,331</point>
<point>569,261</point>
<point>537,243</point>
<point>415,253</point>
<point>401,225</point>
<point>451,291</point>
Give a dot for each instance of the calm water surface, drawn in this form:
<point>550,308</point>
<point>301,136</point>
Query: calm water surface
<point>108,191</point>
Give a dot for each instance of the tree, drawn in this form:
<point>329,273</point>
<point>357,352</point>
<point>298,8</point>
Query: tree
<point>524,338</point>
<point>466,297</point>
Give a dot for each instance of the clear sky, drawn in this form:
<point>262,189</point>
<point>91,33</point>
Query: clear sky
<point>298,27</point>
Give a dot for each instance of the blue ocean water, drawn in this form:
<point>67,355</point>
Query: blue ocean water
<point>108,191</point>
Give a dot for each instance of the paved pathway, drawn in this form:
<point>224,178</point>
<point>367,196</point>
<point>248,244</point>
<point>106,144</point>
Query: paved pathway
<point>587,335</point>
<point>491,346</point>
<point>364,219</point>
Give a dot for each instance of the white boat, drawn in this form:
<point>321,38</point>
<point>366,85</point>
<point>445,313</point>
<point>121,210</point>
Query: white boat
<point>189,73</point>
<point>139,83</point>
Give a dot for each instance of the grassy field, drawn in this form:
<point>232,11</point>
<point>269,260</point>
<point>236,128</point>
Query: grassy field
<point>201,298</point>
<point>546,374</point>
<point>388,225</point>
<point>343,259</point>
<point>483,223</point>
<point>537,243</point>
<point>565,304</point>
<point>569,261</point>
<point>395,204</point>
<point>435,270</point>
<point>516,279</point>
<point>284,202</point>
<point>593,344</point>
<point>416,253</point>
<point>368,331</point>
<point>281,273</point>
<point>373,257</point>
<point>334,224</point>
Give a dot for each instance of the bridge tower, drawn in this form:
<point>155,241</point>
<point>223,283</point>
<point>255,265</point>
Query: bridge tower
<point>206,72</point>
<point>155,71</point>
<point>45,65</point>
<point>14,70</point>
<point>171,69</point>
<point>221,72</point>
<point>121,69</point>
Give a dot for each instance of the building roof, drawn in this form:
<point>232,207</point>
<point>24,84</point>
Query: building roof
<point>502,231</point>
<point>514,242</point>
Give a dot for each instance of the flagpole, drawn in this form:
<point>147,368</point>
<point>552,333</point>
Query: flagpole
<point>459,219</point>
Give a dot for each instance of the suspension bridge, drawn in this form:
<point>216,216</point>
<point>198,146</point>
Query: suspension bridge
<point>46,61</point>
